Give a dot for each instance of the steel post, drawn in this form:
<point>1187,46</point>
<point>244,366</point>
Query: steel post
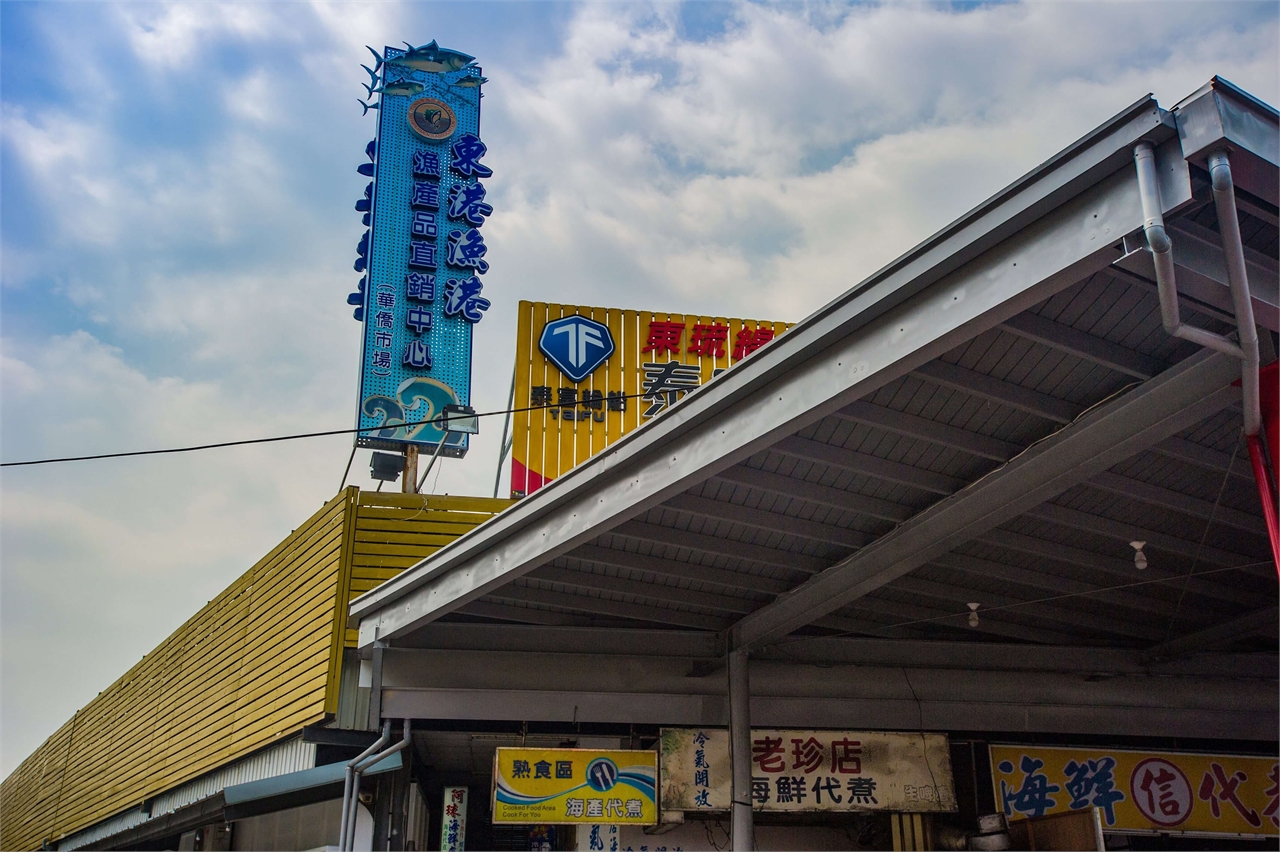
<point>740,750</point>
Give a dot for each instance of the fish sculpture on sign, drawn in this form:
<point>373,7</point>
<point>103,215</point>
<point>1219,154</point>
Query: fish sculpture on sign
<point>430,57</point>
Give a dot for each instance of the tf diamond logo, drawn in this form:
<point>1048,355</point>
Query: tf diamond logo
<point>576,345</point>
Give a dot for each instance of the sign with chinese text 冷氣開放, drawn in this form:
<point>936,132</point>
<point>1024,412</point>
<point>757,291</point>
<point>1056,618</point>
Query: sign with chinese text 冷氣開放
<point>423,254</point>
<point>453,827</point>
<point>551,786</point>
<point>1139,791</point>
<point>809,771</point>
<point>585,377</point>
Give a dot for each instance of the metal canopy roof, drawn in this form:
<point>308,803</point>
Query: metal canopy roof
<point>990,419</point>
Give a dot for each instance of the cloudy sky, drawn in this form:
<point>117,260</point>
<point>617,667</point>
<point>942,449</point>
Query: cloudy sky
<point>177,232</point>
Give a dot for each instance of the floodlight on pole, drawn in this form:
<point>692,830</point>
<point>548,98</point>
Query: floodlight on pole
<point>453,420</point>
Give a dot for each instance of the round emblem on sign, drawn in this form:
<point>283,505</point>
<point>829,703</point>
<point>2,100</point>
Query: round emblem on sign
<point>1161,791</point>
<point>432,119</point>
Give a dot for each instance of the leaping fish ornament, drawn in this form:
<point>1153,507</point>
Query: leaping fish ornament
<point>430,57</point>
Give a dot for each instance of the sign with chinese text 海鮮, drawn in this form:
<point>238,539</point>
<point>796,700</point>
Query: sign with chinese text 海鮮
<point>793,771</point>
<point>551,786</point>
<point>585,377</point>
<point>423,253</point>
<point>453,827</point>
<point>1140,791</point>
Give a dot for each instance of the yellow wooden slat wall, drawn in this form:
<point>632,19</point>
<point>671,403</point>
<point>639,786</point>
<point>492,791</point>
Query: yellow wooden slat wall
<point>548,446</point>
<point>251,665</point>
<point>395,531</point>
<point>261,660</point>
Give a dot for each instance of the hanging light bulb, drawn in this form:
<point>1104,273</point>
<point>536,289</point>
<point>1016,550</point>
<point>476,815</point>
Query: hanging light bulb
<point>973,614</point>
<point>1139,558</point>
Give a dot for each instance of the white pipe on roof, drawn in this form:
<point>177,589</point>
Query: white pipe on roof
<point>1162,252</point>
<point>1224,198</point>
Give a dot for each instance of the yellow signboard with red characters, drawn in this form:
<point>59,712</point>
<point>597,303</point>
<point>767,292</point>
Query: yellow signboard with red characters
<point>1137,791</point>
<point>588,376</point>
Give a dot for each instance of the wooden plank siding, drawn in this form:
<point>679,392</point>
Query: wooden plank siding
<point>260,661</point>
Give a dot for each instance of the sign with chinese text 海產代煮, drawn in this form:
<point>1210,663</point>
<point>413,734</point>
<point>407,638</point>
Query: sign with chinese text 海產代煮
<point>1140,791</point>
<point>793,771</point>
<point>551,786</point>
<point>423,253</point>
<point>591,375</point>
<point>453,827</point>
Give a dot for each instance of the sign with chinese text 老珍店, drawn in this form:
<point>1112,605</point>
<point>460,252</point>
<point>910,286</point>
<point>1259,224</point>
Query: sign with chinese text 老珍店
<point>423,254</point>
<point>1141,791</point>
<point>591,375</point>
<point>571,785</point>
<point>453,827</point>
<point>810,771</point>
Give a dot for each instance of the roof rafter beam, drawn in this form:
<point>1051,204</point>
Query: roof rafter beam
<point>611,608</point>
<point>1126,532</point>
<point>765,520</point>
<point>1049,612</point>
<point>1202,456</point>
<point>595,555</point>
<point>999,391</point>
<point>1122,569</point>
<point>866,464</point>
<point>1081,344</point>
<point>719,546</point>
<point>813,492</point>
<point>1259,621</point>
<point>659,592</point>
<point>996,624</point>
<point>1059,583</point>
<point>1176,399</point>
<point>1154,495</point>
<point>911,425</point>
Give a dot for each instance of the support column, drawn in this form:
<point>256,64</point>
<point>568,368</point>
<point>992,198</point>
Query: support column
<point>409,479</point>
<point>740,750</point>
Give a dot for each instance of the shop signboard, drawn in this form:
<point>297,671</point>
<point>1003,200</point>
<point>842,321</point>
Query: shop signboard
<point>422,254</point>
<point>1141,791</point>
<point>800,771</point>
<point>453,827</point>
<point>552,786</point>
<point>584,377</point>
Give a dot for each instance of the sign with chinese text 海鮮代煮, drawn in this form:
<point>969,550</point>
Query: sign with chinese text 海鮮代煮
<point>585,377</point>
<point>551,786</point>
<point>453,827</point>
<point>1141,791</point>
<point>793,771</point>
<point>422,254</point>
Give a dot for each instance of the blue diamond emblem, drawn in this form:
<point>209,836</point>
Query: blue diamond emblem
<point>576,345</point>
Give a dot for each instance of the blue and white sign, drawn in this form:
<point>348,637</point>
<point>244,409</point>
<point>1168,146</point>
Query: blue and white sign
<point>423,254</point>
<point>576,345</point>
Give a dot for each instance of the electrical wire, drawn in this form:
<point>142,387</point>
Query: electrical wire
<point>295,437</point>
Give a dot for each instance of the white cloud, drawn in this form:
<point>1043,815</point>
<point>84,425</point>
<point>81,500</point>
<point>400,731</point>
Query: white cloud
<point>758,171</point>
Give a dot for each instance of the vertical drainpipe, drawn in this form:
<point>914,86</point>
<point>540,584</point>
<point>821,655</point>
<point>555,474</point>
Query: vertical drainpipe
<point>740,749</point>
<point>1246,350</point>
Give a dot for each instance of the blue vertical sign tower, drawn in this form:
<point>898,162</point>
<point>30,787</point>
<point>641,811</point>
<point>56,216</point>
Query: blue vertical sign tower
<point>423,253</point>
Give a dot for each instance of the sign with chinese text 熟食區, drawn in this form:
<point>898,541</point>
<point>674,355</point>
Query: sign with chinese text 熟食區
<point>591,375</point>
<point>453,828</point>
<point>571,785</point>
<point>810,771</point>
<point>423,253</point>
<point>1141,791</point>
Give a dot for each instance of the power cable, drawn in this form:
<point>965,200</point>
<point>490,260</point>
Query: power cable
<point>298,436</point>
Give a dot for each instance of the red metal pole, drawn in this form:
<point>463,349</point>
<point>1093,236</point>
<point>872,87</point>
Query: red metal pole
<point>1264,492</point>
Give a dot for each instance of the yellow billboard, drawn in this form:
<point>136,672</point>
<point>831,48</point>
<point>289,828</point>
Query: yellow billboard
<point>549,786</point>
<point>1139,791</point>
<point>585,377</point>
